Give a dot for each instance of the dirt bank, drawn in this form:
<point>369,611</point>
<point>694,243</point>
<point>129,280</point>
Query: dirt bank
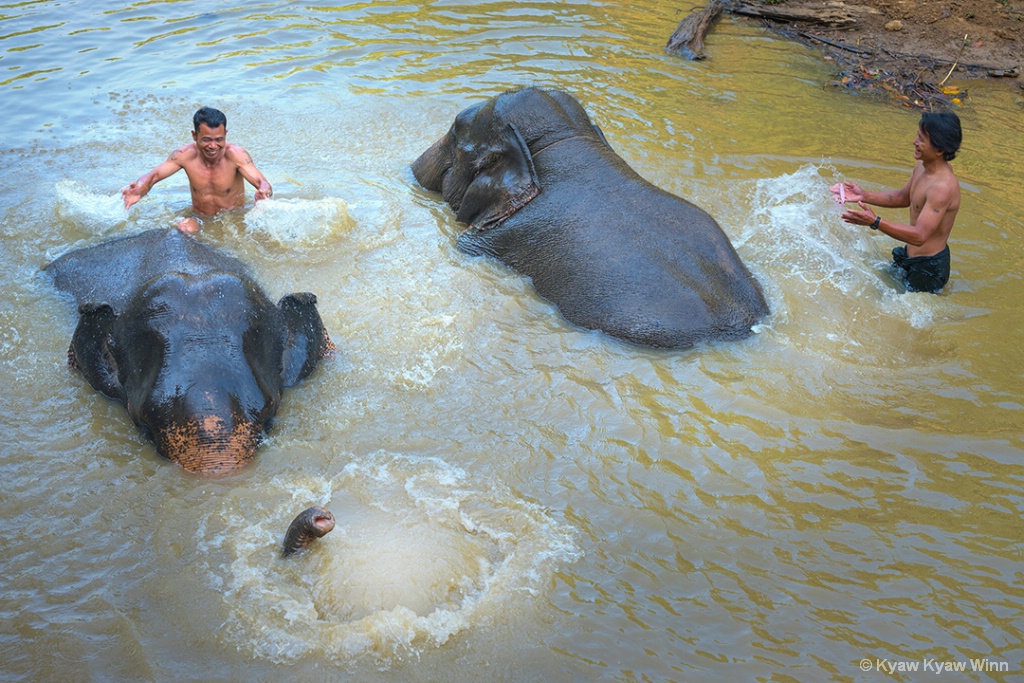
<point>903,50</point>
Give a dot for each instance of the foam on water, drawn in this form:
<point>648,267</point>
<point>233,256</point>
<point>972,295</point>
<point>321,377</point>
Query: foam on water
<point>295,222</point>
<point>300,221</point>
<point>815,260</point>
<point>420,554</point>
<point>796,226</point>
<point>99,213</point>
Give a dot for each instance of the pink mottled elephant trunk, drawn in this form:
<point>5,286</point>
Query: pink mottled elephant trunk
<point>210,445</point>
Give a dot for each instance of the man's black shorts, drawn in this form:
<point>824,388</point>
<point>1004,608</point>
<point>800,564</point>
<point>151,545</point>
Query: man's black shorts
<point>922,273</point>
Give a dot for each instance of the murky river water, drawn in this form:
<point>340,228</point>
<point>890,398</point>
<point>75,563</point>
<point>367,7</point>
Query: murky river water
<point>518,500</point>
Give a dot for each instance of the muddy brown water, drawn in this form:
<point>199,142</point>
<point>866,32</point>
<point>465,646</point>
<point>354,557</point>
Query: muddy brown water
<point>517,499</point>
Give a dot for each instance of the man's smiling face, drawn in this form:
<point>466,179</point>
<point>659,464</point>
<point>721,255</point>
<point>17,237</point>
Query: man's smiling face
<point>210,141</point>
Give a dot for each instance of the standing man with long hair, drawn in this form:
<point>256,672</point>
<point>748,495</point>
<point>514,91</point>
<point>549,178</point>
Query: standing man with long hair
<point>933,195</point>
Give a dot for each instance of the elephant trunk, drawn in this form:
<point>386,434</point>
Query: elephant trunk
<point>430,167</point>
<point>209,445</point>
<point>310,524</point>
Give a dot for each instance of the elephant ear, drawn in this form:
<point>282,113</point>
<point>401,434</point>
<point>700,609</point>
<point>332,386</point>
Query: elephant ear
<point>306,341</point>
<point>505,182</point>
<point>92,349</point>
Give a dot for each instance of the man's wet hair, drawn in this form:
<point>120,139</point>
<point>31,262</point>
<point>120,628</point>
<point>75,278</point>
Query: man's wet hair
<point>943,131</point>
<point>213,118</point>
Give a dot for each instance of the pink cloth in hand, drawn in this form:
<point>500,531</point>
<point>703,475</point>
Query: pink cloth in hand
<point>838,193</point>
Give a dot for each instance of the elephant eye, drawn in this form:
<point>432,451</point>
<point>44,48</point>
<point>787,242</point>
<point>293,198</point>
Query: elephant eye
<point>487,160</point>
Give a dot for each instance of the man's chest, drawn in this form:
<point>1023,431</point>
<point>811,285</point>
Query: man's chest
<point>221,177</point>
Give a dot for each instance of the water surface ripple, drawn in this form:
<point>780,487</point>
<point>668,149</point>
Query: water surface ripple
<point>517,499</point>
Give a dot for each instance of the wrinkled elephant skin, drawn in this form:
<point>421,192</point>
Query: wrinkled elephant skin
<point>542,191</point>
<point>184,337</point>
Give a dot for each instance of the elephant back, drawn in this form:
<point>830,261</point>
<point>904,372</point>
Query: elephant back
<point>114,271</point>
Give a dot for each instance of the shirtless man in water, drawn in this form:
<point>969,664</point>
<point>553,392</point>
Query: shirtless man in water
<point>215,169</point>
<point>933,195</point>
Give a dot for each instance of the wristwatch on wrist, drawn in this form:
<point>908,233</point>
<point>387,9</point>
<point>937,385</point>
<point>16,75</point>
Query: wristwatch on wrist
<point>878,219</point>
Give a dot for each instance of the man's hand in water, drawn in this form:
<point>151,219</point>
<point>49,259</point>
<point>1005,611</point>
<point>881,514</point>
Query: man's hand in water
<point>847,192</point>
<point>189,226</point>
<point>131,194</point>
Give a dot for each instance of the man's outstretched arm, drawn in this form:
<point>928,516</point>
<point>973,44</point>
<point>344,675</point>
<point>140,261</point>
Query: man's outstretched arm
<point>249,171</point>
<point>890,199</point>
<point>141,187</point>
<point>917,233</point>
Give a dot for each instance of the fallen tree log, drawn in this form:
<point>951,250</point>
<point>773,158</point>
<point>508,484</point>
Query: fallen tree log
<point>688,38</point>
<point>831,16</point>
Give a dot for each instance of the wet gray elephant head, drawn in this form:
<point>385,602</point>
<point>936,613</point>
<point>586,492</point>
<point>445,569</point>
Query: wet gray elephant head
<point>189,343</point>
<point>541,189</point>
<point>483,166</point>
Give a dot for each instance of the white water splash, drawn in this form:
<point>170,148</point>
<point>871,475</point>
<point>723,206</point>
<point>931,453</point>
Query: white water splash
<point>101,214</point>
<point>420,554</point>
<point>300,221</point>
<point>831,286</point>
<point>795,228</point>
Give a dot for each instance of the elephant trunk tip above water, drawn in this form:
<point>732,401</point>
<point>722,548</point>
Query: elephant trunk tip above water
<point>309,525</point>
<point>542,191</point>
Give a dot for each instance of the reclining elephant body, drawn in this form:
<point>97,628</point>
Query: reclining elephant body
<point>543,191</point>
<point>188,342</point>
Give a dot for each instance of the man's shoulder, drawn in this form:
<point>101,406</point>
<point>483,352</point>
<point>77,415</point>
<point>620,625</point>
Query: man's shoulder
<point>185,153</point>
<point>237,154</point>
<point>943,185</point>
<point>947,176</point>
<point>952,174</point>
<point>952,184</point>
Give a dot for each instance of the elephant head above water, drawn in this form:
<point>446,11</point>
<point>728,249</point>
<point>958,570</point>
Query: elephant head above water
<point>542,191</point>
<point>184,337</point>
